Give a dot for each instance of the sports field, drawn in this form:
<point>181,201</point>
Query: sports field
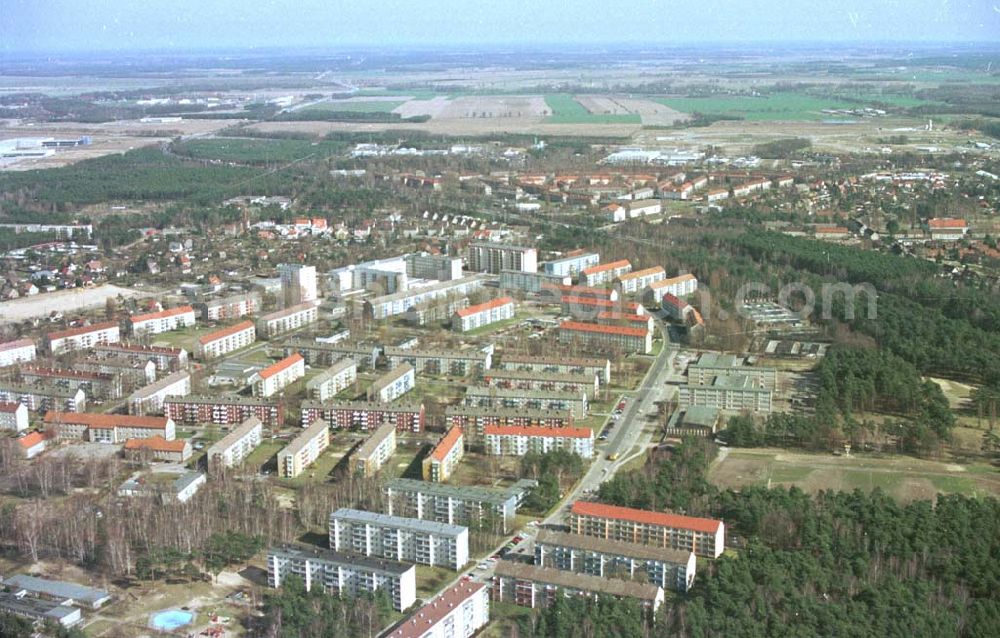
<point>904,478</point>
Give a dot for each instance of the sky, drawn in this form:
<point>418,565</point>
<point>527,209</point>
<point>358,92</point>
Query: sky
<point>59,26</point>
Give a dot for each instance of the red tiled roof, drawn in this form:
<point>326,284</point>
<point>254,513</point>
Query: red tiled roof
<point>446,443</point>
<point>635,274</point>
<point>579,291</point>
<point>671,281</point>
<point>32,439</point>
<point>674,301</point>
<point>831,230</point>
<point>9,407</point>
<point>578,326</point>
<point>12,345</point>
<point>157,444</point>
<point>593,270</point>
<point>946,222</point>
<point>623,316</point>
<point>489,305</point>
<point>225,332</point>
<point>163,314</point>
<point>600,510</point>
<point>106,420</point>
<point>284,364</point>
<point>418,624</point>
<point>72,332</point>
<point>538,430</point>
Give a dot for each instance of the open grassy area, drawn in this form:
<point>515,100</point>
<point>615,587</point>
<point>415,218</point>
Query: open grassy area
<point>430,580</point>
<point>781,106</point>
<point>904,478</point>
<point>566,110</point>
<point>264,453</point>
<point>355,106</point>
<point>234,149</point>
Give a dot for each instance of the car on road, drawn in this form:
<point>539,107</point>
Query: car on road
<point>483,565</point>
<point>613,456</point>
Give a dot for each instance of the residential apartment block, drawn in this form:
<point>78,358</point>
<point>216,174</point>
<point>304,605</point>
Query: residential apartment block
<point>328,383</point>
<point>166,359</point>
<point>43,396</point>
<point>531,283</point>
<point>13,417</point>
<point>458,612</point>
<point>215,344</point>
<point>163,321</point>
<point>364,415</point>
<point>298,283</point>
<point>483,314</point>
<point>604,274</point>
<point>513,440</point>
<point>393,384</point>
<point>445,457</point>
<point>304,449</point>
<point>277,376</point>
<point>711,365</point>
<point>159,449</point>
<point>531,380</point>
<point>732,393</point>
<point>397,538</point>
<point>680,286</point>
<point>223,409</point>
<point>364,355</point>
<point>455,363</point>
<point>667,568</point>
<point>231,449</point>
<point>494,258</point>
<point>97,385</point>
<point>434,312</point>
<point>456,505</point>
<point>473,420</point>
<point>375,451</point>
<point>571,265</point>
<point>20,351</point>
<point>593,336</point>
<point>534,586</point>
<point>287,319</point>
<point>703,536</point>
<point>231,307</point>
<point>392,305</point>
<point>107,428</point>
<point>635,281</point>
<point>486,397</point>
<point>149,399</point>
<point>83,337</point>
<point>599,366</point>
<point>343,574</point>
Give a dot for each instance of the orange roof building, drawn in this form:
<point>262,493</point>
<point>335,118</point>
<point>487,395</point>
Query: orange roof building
<point>594,336</point>
<point>215,344</point>
<point>277,376</point>
<point>484,314</point>
<point>703,536</point>
<point>514,440</point>
<point>108,428</point>
<point>603,274</point>
<point>445,456</point>
<point>176,451</point>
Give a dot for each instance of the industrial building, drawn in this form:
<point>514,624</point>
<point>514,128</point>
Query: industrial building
<point>396,538</point>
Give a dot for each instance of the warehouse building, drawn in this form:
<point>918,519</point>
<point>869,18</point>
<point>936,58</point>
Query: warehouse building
<point>397,538</point>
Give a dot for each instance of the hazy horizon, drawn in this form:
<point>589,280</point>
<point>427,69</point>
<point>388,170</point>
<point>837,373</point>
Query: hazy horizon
<point>77,26</point>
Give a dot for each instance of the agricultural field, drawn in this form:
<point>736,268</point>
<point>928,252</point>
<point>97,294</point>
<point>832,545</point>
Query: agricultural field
<point>902,477</point>
<point>782,106</point>
<point>368,105</point>
<point>566,109</point>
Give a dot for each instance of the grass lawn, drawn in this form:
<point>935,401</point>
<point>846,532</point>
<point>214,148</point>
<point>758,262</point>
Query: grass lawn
<point>264,453</point>
<point>566,110</point>
<point>185,338</point>
<point>351,106</point>
<point>257,150</point>
<point>780,106</point>
<point>319,471</point>
<point>502,617</point>
<point>499,325</point>
<point>430,580</point>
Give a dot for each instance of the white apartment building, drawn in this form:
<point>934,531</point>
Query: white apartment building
<point>343,574</point>
<point>13,417</point>
<point>494,258</point>
<point>226,340</point>
<point>149,399</point>
<point>20,351</point>
<point>636,280</point>
<point>231,307</point>
<point>396,538</point>
<point>83,337</point>
<point>376,450</point>
<point>108,428</point>
<point>393,384</point>
<point>603,274</point>
<point>458,612</point>
<point>572,265</point>
<point>680,287</point>
<point>304,449</point>
<point>328,383</point>
<point>483,314</point>
<point>298,283</point>
<point>514,440</point>
<point>275,377</point>
<point>445,456</point>
<point>644,207</point>
<point>385,306</point>
<point>163,321</point>
<point>231,449</point>
<point>288,319</point>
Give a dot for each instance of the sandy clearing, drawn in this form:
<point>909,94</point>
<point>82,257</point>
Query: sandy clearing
<point>416,108</point>
<point>64,301</point>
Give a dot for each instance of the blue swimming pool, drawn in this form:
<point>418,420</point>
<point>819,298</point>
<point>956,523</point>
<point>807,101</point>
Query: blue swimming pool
<point>170,619</point>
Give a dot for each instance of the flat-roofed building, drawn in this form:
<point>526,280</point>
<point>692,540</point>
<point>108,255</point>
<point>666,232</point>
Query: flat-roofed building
<point>531,283</point>
<point>59,591</point>
<point>514,440</point>
<point>230,307</point>
<point>424,265</point>
<point>277,376</point>
<point>571,265</point>
<point>487,397</point>
<point>343,574</point>
<point>494,257</point>
<point>97,385</point>
<point>365,415</point>
<point>667,568</point>
<point>711,365</point>
<point>693,421</point>
<point>458,612</point>
<point>473,420</point>
<point>149,399</point>
<point>483,314</point>
<point>288,319</point>
<point>13,417</point>
<point>304,449</point>
<point>316,353</point>
<point>43,396</point>
<point>604,274</point>
<point>445,456</point>
<point>732,393</point>
<point>680,286</point>
<point>108,428</point>
<point>456,505</point>
<point>298,283</point>
<point>703,536</point>
<point>220,342</point>
<point>393,384</point>
<point>635,281</point>
<point>224,409</point>
<point>569,365</point>
<point>594,336</point>
<point>83,337</point>
<point>233,448</point>
<point>397,538</point>
<point>166,359</point>
<point>152,323</point>
<point>531,380</point>
<point>38,610</point>
<point>19,351</point>
<point>159,449</point>
<point>378,448</point>
<point>533,586</point>
<point>335,379</point>
<point>455,363</point>
<point>386,306</point>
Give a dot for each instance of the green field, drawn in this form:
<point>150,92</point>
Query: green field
<point>257,150</point>
<point>566,110</point>
<point>351,106</point>
<point>782,106</point>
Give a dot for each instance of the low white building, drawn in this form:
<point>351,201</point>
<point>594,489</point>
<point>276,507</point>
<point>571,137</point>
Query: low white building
<point>20,351</point>
<point>277,376</point>
<point>226,340</point>
<point>149,399</point>
<point>188,485</point>
<point>13,417</point>
<point>162,321</point>
<point>483,314</point>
